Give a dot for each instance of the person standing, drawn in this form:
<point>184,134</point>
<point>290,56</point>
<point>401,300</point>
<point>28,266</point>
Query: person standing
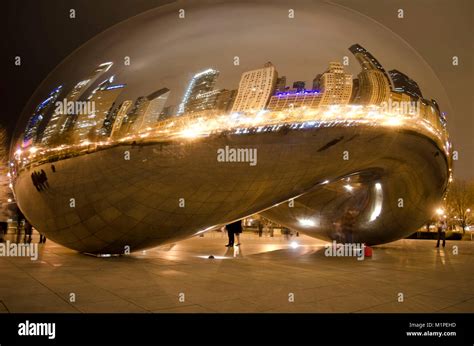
<point>42,238</point>
<point>28,231</point>
<point>441,233</point>
<point>230,234</point>
<point>233,230</point>
<point>238,231</point>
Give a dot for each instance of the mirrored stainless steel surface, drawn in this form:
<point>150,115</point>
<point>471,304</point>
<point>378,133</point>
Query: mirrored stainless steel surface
<point>124,153</point>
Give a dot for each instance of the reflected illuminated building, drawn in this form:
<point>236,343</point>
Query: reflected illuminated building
<point>148,111</point>
<point>59,123</point>
<point>117,120</point>
<point>36,125</point>
<point>295,99</point>
<point>404,84</point>
<point>336,85</point>
<point>374,83</point>
<point>255,89</point>
<point>299,85</point>
<point>281,84</point>
<point>88,125</point>
<point>201,83</point>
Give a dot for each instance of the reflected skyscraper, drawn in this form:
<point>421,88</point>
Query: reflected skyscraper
<point>403,83</point>
<point>294,99</point>
<point>255,89</point>
<point>88,125</point>
<point>118,119</point>
<point>374,82</point>
<point>336,85</point>
<point>37,123</point>
<point>202,82</point>
<point>281,84</point>
<point>59,122</point>
<point>299,85</point>
<point>317,82</point>
<point>150,109</point>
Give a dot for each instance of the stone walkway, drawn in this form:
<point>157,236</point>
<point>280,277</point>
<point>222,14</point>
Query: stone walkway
<point>264,275</point>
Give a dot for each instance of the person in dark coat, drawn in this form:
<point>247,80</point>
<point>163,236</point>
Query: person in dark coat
<point>28,231</point>
<point>442,233</point>
<point>234,229</point>
<point>42,238</point>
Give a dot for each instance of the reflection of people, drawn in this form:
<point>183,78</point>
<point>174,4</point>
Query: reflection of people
<point>348,224</point>
<point>3,230</point>
<point>260,229</point>
<point>44,178</point>
<point>441,233</point>
<point>42,238</point>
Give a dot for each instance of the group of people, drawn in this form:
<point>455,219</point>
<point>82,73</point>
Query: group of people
<point>27,227</point>
<point>29,233</point>
<point>40,180</point>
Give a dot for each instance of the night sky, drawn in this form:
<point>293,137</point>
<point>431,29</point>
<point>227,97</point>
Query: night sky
<point>42,33</point>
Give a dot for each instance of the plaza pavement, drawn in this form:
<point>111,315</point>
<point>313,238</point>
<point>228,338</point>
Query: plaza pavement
<point>263,275</point>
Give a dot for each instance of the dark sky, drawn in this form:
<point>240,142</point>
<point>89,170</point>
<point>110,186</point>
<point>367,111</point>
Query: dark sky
<point>41,32</point>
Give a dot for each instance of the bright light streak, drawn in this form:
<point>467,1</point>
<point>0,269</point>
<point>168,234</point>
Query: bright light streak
<point>348,187</point>
<point>377,203</point>
<point>307,222</point>
<point>393,122</point>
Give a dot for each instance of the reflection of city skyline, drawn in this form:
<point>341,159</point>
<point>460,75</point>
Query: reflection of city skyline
<point>259,89</point>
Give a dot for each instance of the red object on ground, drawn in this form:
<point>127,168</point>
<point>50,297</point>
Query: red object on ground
<point>367,251</point>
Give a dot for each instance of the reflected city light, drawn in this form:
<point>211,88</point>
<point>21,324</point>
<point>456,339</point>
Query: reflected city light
<point>307,222</point>
<point>377,202</point>
<point>348,187</point>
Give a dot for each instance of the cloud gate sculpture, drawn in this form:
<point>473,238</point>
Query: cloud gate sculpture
<point>166,126</point>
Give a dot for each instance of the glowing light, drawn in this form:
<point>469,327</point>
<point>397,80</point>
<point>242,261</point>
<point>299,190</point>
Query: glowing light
<point>190,133</point>
<point>294,245</point>
<point>348,187</point>
<point>439,211</point>
<point>325,182</point>
<point>9,200</point>
<point>377,203</point>
<point>33,150</point>
<point>307,222</point>
<point>393,122</point>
